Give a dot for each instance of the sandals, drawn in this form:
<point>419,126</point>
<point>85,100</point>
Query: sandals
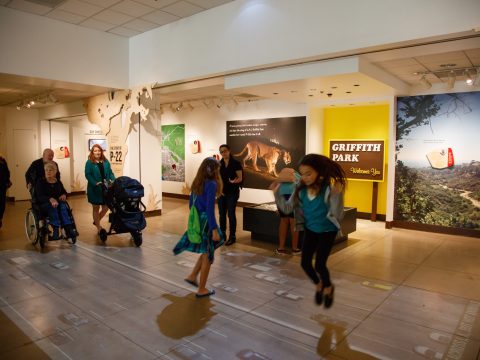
<point>193,283</point>
<point>280,252</point>
<point>210,292</point>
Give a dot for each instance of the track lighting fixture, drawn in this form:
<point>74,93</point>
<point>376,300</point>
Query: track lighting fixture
<point>27,103</point>
<point>427,84</point>
<point>449,74</point>
<point>179,107</point>
<point>451,80</point>
<point>471,75</point>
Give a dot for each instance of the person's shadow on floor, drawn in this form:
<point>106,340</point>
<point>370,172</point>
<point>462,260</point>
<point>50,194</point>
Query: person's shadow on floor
<point>335,329</point>
<point>185,316</point>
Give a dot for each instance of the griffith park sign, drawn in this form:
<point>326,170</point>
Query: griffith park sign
<point>360,159</point>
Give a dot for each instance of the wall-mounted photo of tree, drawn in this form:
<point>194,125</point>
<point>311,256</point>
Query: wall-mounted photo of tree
<point>437,177</point>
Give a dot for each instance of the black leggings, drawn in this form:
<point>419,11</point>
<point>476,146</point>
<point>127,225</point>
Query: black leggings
<point>321,244</point>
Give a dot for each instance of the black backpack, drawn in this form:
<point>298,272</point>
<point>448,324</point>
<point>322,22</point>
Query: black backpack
<point>125,187</point>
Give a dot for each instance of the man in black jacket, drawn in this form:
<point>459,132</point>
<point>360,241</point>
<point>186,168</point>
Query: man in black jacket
<point>231,172</point>
<point>36,171</point>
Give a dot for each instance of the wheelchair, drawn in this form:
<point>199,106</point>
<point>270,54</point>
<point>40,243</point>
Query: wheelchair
<point>38,228</point>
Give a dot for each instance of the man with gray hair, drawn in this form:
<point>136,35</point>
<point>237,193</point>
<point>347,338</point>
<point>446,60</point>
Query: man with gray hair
<point>36,171</point>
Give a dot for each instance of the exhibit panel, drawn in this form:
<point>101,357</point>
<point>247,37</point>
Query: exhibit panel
<point>437,177</point>
<point>266,146</point>
<point>359,125</point>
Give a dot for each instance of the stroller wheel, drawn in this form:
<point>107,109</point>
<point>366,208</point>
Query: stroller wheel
<point>137,238</point>
<point>103,235</point>
<point>43,238</point>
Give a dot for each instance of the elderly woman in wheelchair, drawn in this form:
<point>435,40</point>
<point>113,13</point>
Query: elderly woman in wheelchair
<point>49,207</point>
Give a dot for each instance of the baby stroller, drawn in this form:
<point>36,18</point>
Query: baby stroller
<point>123,198</point>
<point>37,226</point>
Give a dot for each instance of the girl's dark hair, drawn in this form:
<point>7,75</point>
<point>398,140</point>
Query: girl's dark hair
<point>209,170</point>
<point>329,172</point>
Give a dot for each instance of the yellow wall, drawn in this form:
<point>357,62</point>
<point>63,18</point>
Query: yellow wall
<point>362,123</point>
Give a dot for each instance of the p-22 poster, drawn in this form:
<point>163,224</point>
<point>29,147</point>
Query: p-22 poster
<point>266,146</point>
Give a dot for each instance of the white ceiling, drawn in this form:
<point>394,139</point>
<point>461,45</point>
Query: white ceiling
<point>389,72</point>
<point>121,17</point>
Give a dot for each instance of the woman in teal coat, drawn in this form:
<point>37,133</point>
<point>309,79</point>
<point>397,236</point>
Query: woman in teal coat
<point>97,171</point>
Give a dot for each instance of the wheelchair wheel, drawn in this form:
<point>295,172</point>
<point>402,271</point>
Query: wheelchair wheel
<point>32,227</point>
<point>137,238</point>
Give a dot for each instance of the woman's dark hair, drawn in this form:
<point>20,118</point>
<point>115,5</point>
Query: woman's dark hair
<point>91,157</point>
<point>329,172</point>
<point>209,170</point>
<point>225,146</point>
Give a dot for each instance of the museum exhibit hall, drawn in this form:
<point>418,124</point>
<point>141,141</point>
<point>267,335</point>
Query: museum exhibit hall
<point>240,179</point>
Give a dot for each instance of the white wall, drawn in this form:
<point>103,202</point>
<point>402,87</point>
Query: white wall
<point>46,48</point>
<point>209,126</point>
<point>246,33</point>
<point>3,132</point>
<point>20,120</point>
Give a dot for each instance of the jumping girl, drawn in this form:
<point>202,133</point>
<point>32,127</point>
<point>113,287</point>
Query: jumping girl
<point>318,204</point>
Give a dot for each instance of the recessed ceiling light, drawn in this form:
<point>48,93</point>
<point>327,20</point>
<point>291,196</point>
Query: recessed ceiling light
<point>313,89</point>
<point>356,84</point>
<point>321,92</point>
<point>275,93</point>
<point>293,91</point>
<point>334,87</point>
<point>348,92</point>
<point>310,95</point>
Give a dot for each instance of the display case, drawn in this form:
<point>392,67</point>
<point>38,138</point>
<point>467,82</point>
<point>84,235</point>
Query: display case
<point>263,220</point>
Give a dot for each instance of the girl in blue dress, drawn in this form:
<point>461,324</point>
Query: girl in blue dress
<point>206,187</point>
<point>318,204</point>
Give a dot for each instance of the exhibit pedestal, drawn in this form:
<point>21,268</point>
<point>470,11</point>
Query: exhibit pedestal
<point>263,220</point>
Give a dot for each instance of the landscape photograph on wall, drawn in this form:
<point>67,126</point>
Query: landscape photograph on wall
<point>437,170</point>
<point>173,152</point>
<point>266,146</point>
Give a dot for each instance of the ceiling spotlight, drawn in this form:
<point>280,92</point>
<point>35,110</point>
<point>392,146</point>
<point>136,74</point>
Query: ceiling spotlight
<point>32,102</point>
<point>19,106</point>
<point>190,106</point>
<point>219,103</point>
<point>179,107</point>
<point>427,84</point>
<point>471,75</point>
<point>451,80</point>
<point>235,101</point>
